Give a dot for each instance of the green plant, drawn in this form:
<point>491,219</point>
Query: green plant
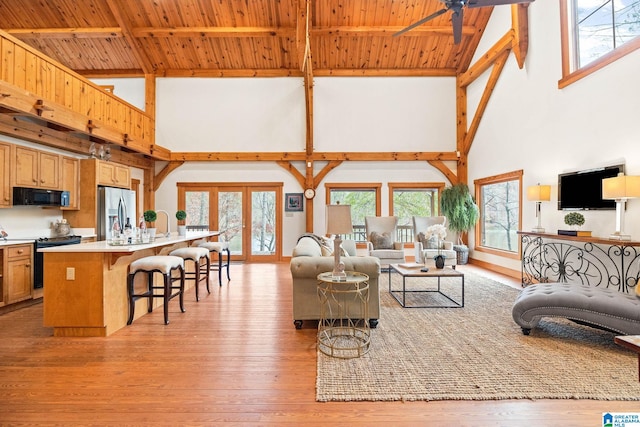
<point>181,215</point>
<point>458,206</point>
<point>150,215</point>
<point>574,218</point>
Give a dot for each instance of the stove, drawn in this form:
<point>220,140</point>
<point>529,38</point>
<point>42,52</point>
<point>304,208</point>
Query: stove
<point>38,258</point>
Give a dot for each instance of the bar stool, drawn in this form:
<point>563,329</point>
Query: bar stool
<point>165,265</point>
<point>197,255</point>
<point>219,248</point>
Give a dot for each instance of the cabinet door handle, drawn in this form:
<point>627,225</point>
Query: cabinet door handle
<point>28,265</point>
<point>20,251</point>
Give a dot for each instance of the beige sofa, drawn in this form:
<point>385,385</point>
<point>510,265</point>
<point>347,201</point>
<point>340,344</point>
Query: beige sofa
<point>307,262</point>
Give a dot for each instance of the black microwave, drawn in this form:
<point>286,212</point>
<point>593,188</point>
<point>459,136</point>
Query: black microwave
<point>23,196</point>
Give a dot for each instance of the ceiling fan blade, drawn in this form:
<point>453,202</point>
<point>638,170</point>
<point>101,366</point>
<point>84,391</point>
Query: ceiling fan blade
<point>420,22</point>
<point>485,3</point>
<point>456,20</point>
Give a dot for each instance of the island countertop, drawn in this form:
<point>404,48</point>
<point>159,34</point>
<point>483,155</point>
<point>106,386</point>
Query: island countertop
<point>85,285</point>
<point>104,247</point>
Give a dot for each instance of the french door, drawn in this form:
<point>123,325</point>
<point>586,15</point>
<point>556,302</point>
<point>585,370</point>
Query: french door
<point>248,215</point>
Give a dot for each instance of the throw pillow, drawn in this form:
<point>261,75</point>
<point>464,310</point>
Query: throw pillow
<point>381,240</point>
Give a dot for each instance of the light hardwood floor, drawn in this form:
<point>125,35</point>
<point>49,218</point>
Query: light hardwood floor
<point>233,358</point>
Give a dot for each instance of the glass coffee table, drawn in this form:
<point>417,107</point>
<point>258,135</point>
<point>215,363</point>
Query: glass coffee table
<point>415,289</point>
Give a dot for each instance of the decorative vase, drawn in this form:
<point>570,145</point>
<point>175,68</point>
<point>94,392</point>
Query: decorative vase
<point>439,259</point>
<point>182,230</point>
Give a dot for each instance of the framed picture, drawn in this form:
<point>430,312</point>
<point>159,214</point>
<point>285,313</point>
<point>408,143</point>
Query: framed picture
<point>293,202</point>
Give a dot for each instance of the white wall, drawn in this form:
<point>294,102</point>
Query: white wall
<point>532,125</point>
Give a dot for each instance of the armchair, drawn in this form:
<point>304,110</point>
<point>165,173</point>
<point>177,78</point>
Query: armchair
<point>425,255</point>
<point>381,235</point>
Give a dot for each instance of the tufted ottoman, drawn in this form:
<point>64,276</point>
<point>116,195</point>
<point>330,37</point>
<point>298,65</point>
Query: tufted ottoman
<point>598,307</point>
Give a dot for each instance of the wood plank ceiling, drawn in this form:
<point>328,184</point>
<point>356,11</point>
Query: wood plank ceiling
<point>244,37</point>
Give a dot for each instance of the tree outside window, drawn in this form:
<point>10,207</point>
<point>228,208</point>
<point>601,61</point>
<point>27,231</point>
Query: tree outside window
<point>499,200</point>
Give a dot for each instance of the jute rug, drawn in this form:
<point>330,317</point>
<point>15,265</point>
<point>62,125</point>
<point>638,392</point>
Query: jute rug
<point>478,353</point>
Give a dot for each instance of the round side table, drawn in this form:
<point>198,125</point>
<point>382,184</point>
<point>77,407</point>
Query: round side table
<point>343,328</point>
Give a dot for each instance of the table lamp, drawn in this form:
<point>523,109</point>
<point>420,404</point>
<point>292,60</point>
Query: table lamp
<point>539,193</point>
<point>338,222</point>
<point>620,188</point>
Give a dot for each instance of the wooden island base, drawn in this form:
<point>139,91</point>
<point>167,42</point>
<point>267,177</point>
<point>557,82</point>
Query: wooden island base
<point>85,285</point>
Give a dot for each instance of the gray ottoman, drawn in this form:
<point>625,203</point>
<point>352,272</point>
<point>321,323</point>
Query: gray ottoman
<point>598,307</point>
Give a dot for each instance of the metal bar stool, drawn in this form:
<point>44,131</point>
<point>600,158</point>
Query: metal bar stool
<point>200,271</point>
<point>165,265</point>
<point>219,248</point>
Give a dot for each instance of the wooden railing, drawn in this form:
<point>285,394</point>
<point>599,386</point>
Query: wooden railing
<point>35,85</point>
<point>404,234</point>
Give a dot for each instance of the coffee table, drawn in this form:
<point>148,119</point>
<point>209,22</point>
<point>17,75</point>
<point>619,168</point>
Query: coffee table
<point>400,294</point>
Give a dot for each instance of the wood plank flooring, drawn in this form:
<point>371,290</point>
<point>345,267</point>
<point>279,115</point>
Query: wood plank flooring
<point>234,358</point>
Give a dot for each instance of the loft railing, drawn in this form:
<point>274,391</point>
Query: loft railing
<point>404,234</point>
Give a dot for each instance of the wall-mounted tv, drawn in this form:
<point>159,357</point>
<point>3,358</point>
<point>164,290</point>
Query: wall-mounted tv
<point>582,190</point>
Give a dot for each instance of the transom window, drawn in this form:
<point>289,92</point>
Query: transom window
<point>596,33</point>
<point>499,200</point>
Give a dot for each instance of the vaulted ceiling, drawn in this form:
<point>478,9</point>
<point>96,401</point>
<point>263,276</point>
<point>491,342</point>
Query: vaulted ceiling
<point>245,37</point>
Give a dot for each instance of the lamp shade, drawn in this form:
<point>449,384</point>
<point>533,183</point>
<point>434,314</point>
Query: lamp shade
<point>339,219</point>
<point>539,193</point>
<point>621,187</point>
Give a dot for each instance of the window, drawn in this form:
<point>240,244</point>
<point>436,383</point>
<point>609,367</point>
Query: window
<point>499,201</point>
<point>413,199</point>
<point>596,33</point>
<point>364,200</point>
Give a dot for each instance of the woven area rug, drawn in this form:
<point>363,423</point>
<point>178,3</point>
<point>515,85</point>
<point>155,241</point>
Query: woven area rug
<point>478,353</point>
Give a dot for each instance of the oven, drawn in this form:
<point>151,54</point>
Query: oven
<point>47,242</point>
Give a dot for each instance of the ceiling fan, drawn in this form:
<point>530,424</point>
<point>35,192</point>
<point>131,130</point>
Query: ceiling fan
<point>457,7</point>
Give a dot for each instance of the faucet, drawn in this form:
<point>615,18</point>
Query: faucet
<point>168,226</point>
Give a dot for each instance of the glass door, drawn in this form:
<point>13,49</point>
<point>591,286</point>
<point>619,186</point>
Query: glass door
<point>248,216</point>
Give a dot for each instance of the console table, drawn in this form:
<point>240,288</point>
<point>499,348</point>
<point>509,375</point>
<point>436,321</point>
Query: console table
<point>591,261</point>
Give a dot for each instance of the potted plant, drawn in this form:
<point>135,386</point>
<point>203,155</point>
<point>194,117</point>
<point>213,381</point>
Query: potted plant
<point>182,228</point>
<point>574,219</point>
<point>462,213</point>
<point>150,217</point>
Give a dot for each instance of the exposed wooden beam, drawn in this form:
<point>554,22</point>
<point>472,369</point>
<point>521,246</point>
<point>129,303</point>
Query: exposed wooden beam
<point>317,156</point>
<point>67,33</point>
<point>452,177</point>
<point>487,60</point>
<point>235,32</point>
<point>520,24</point>
<point>136,47</point>
<point>170,167</point>
<point>388,31</point>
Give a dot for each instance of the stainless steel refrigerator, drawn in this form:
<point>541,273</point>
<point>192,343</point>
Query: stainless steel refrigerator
<point>115,203</point>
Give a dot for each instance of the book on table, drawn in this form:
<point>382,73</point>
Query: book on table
<point>411,265</point>
<point>581,233</point>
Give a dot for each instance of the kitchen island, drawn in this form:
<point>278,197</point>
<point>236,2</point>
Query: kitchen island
<point>85,285</point>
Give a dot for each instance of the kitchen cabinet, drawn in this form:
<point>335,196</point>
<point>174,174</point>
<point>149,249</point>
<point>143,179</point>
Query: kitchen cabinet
<point>93,172</point>
<point>17,279</point>
<point>113,175</point>
<point>5,185</point>
<point>36,169</point>
<point>71,181</point>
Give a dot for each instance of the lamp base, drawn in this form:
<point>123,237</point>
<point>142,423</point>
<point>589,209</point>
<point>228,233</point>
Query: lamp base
<point>619,236</point>
<point>537,230</point>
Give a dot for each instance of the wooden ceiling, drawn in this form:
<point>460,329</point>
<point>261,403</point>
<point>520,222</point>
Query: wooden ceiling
<point>244,37</point>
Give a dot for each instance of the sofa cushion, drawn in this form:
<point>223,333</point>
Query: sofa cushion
<point>307,247</point>
<point>381,240</point>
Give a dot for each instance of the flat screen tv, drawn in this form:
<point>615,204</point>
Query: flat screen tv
<point>582,190</point>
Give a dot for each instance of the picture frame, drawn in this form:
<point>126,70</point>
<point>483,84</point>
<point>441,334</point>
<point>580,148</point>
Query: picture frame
<point>294,202</point>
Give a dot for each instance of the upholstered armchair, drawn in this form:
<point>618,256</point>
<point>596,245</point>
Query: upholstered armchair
<point>425,249</point>
<point>381,235</point>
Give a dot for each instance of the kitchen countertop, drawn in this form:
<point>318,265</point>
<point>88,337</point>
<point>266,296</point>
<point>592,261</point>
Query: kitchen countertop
<point>15,242</point>
<point>103,247</point>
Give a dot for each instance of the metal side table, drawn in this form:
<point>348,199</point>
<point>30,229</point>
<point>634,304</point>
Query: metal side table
<point>343,328</point>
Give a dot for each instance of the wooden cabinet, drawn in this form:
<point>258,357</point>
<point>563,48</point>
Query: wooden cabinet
<point>113,175</point>
<point>92,174</point>
<point>36,169</point>
<point>71,181</point>
<point>5,185</point>
<point>18,278</point>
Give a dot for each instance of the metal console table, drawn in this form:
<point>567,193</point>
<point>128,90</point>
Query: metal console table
<point>591,261</point>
